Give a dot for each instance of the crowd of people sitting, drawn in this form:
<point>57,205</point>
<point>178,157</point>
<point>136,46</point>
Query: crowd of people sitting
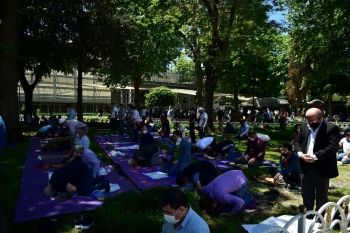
<point>224,194</point>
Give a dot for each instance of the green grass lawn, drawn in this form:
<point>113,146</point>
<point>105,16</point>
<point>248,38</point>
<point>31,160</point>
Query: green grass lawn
<point>12,160</point>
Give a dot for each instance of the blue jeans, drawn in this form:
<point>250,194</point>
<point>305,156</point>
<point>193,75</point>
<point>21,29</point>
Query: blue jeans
<point>340,157</point>
<point>150,129</point>
<point>242,193</point>
<point>232,154</point>
<point>170,168</point>
<point>121,127</point>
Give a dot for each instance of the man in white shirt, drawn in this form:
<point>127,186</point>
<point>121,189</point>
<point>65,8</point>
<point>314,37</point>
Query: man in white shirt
<point>206,144</point>
<point>203,118</point>
<point>345,144</point>
<point>135,121</point>
<point>113,120</point>
<point>181,128</point>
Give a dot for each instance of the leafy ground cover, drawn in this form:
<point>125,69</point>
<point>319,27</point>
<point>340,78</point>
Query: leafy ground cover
<point>140,212</point>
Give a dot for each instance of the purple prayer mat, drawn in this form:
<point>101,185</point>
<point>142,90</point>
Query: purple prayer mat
<point>167,142</point>
<point>220,164</point>
<point>135,174</point>
<point>32,204</point>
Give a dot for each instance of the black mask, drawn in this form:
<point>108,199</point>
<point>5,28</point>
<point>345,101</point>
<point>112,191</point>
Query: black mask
<point>314,126</point>
<point>285,154</point>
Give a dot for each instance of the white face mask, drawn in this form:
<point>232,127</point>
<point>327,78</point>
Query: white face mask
<point>341,133</point>
<point>171,218</point>
<point>298,130</point>
<point>178,141</point>
<point>130,162</point>
<point>67,109</point>
<point>144,131</point>
<point>252,139</point>
<point>77,135</point>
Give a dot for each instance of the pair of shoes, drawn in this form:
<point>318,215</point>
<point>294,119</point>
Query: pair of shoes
<point>294,188</point>
<point>83,222</point>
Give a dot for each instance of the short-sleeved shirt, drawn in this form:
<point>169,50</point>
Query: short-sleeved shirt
<point>204,142</point>
<point>71,114</point>
<point>203,116</point>
<point>346,145</point>
<point>69,173</point>
<point>192,223</point>
<point>84,141</point>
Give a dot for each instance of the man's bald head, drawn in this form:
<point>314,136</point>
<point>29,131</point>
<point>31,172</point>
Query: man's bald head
<point>314,113</point>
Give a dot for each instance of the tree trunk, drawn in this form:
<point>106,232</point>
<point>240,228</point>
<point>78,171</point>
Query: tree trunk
<point>137,99</point>
<point>330,98</point>
<point>80,90</point>
<point>9,69</point>
<point>28,90</point>
<point>235,96</point>
<point>199,80</point>
<point>210,86</point>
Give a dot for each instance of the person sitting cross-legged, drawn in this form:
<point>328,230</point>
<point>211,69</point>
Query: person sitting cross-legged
<point>80,139</point>
<point>199,174</point>
<point>288,168</point>
<point>146,138</point>
<point>147,156</point>
<point>229,188</point>
<point>345,143</point>
<point>181,156</point>
<point>179,216</point>
<point>255,152</point>
<point>243,131</point>
<point>74,177</point>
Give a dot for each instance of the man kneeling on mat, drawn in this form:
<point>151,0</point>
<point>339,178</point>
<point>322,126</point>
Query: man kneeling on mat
<point>147,156</point>
<point>199,174</point>
<point>226,149</point>
<point>288,169</point>
<point>229,188</point>
<point>74,177</point>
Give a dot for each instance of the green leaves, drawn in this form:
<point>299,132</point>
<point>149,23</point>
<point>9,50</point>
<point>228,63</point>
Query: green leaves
<point>160,97</point>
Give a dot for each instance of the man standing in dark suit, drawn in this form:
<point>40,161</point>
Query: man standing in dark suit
<point>316,144</point>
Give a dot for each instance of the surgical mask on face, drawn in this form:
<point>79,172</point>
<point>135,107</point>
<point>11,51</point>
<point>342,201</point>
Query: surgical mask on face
<point>341,133</point>
<point>77,135</point>
<point>298,130</point>
<point>178,141</point>
<point>171,218</point>
<point>144,131</point>
<point>285,154</point>
<point>252,139</point>
<point>67,109</point>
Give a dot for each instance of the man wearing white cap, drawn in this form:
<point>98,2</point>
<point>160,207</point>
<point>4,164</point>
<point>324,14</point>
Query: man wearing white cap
<point>203,118</point>
<point>73,125</point>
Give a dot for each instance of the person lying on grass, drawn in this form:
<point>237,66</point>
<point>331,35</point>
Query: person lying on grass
<point>198,173</point>
<point>147,156</point>
<point>288,168</point>
<point>74,177</point>
<point>229,188</point>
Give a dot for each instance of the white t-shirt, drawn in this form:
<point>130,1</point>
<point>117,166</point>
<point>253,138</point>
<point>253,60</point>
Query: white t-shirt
<point>135,115</point>
<point>182,129</point>
<point>114,112</point>
<point>204,142</point>
<point>203,116</point>
<point>346,145</point>
<point>264,137</point>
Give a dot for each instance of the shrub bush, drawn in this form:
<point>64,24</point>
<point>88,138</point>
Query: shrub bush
<point>135,212</point>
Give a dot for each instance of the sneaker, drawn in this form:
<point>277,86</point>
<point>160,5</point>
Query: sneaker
<point>87,222</point>
<point>294,188</point>
<point>78,220</point>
